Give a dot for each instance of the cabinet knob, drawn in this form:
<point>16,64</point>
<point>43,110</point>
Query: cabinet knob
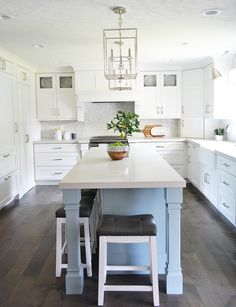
<point>225,183</point>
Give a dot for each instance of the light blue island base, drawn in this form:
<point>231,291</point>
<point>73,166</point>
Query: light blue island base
<point>163,203</point>
<point>132,202</point>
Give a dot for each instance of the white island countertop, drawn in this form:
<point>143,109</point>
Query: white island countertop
<point>139,170</point>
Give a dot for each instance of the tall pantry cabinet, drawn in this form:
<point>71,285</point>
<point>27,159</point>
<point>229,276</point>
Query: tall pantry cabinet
<point>17,125</point>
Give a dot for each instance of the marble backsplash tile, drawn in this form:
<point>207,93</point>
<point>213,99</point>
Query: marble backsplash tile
<point>97,115</point>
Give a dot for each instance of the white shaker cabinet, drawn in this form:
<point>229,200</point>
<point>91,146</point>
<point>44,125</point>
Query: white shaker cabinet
<point>217,95</point>
<point>56,96</point>
<point>53,161</point>
<point>8,126</point>
<point>227,188</point>
<point>193,163</point>
<point>160,95</point>
<point>26,161</point>
<point>208,174</point>
<point>192,108</point>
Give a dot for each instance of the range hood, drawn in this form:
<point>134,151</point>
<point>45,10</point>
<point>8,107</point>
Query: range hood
<point>107,96</point>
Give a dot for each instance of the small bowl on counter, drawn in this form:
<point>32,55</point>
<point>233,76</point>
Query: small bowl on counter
<point>117,151</point>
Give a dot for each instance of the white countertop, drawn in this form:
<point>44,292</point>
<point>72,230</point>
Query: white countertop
<point>221,147</point>
<point>52,141</point>
<point>139,170</point>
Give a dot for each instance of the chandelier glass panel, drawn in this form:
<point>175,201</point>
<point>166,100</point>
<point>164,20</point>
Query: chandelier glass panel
<point>120,54</point>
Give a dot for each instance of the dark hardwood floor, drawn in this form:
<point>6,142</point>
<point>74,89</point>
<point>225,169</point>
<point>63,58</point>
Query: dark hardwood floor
<point>27,258</point>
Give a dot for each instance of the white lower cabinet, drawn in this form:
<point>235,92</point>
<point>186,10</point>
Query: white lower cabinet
<point>8,188</point>
<point>54,161</point>
<point>227,188</point>
<point>172,152</point>
<point>208,174</point>
<point>193,163</point>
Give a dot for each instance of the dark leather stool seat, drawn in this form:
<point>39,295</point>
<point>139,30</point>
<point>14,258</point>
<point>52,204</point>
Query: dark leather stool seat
<point>86,205</point>
<point>89,192</point>
<point>135,225</point>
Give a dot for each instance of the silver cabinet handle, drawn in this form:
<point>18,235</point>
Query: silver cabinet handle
<point>189,159</point>
<point>226,165</point>
<point>57,159</point>
<point>161,109</point>
<point>225,205</point>
<point>159,146</point>
<point>57,173</point>
<point>57,147</point>
<point>16,127</point>
<point>6,155</point>
<point>182,109</point>
<point>3,65</point>
<point>7,178</point>
<point>225,183</point>
<point>26,138</point>
<point>158,110</point>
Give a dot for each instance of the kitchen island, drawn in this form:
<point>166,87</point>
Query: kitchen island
<point>142,183</point>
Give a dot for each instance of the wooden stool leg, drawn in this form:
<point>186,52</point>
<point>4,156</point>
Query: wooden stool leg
<point>87,247</point>
<point>154,272</point>
<point>102,269</point>
<point>58,247</point>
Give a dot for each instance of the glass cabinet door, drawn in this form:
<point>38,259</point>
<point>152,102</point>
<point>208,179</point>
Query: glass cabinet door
<point>149,80</point>
<point>170,80</point>
<point>45,82</point>
<point>65,82</point>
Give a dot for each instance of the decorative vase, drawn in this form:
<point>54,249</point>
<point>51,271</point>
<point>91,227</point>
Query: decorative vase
<point>117,152</point>
<point>219,137</point>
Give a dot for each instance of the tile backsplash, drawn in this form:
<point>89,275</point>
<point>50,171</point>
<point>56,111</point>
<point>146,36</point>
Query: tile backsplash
<point>96,115</point>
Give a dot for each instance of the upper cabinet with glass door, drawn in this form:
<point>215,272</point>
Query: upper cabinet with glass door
<point>56,96</point>
<point>160,95</point>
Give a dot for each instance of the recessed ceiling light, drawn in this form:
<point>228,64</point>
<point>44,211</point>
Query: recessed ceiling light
<point>5,17</point>
<point>212,12</point>
<point>38,46</point>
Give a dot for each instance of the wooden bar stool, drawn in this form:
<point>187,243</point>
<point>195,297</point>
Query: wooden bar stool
<point>127,229</point>
<point>86,206</point>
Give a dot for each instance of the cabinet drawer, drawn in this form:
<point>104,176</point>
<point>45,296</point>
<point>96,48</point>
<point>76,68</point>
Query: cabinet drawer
<point>227,182</point>
<point>7,163</point>
<point>51,173</point>
<point>56,148</point>
<point>8,188</point>
<point>55,159</point>
<point>172,157</point>
<point>227,165</point>
<point>227,206</point>
<point>160,146</point>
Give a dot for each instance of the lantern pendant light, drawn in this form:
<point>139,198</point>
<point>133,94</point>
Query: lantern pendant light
<point>120,54</point>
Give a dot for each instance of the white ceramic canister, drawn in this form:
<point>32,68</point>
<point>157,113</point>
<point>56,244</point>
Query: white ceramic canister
<point>58,135</point>
<point>66,135</point>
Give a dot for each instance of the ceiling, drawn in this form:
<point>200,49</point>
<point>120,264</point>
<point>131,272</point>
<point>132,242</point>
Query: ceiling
<point>71,30</point>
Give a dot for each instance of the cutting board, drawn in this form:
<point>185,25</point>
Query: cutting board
<point>147,130</point>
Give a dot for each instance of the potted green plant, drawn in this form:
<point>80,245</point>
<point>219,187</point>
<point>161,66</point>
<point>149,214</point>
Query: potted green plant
<point>126,123</point>
<point>219,133</point>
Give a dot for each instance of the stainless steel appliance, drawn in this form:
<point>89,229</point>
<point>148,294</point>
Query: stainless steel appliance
<point>103,140</point>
